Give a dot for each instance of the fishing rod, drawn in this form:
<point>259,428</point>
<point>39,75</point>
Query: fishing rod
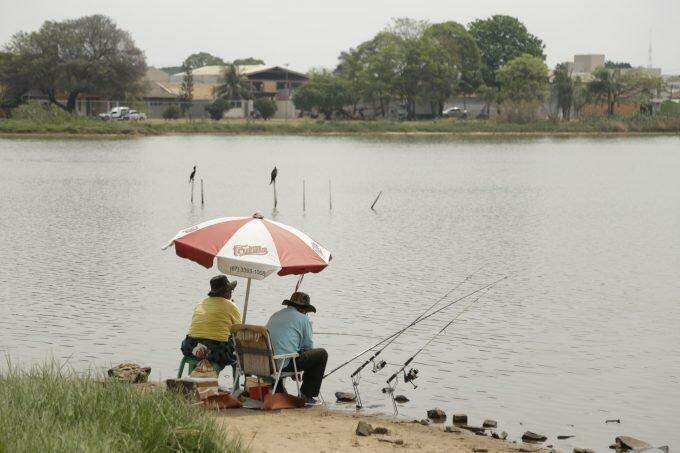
<point>399,332</point>
<point>412,373</point>
<point>377,366</point>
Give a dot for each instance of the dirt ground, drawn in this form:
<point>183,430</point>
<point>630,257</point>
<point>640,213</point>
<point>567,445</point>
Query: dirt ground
<point>320,430</point>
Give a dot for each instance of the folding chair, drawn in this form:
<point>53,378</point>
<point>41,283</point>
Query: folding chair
<point>255,356</point>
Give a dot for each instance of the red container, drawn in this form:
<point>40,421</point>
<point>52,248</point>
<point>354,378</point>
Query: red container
<point>258,392</point>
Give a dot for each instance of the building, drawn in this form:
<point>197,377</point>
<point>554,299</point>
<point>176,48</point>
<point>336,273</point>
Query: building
<point>587,63</point>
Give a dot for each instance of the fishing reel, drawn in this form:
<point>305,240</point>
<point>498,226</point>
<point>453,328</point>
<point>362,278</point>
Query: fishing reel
<point>411,376</point>
<point>379,365</point>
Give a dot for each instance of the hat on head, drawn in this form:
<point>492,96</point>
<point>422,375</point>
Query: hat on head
<point>300,300</point>
<point>220,284</point>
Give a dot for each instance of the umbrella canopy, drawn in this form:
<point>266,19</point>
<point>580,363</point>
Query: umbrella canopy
<point>250,247</point>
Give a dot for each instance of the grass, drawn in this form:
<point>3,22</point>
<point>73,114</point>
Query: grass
<point>88,126</point>
<point>48,409</point>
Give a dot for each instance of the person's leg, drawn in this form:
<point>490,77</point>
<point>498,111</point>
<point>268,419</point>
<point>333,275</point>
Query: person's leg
<point>313,363</point>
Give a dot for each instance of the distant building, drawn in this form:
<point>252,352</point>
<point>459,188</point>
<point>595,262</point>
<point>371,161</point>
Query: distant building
<point>587,63</point>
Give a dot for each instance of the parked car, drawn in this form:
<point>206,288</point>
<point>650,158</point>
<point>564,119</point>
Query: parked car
<point>116,113</point>
<point>134,115</point>
<point>455,112</point>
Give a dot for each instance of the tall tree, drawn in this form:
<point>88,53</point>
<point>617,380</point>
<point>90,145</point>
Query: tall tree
<point>186,93</point>
<point>327,92</point>
<point>563,85</point>
<point>200,59</point>
<point>233,85</point>
<point>611,85</point>
<point>524,85</point>
<point>247,61</point>
<point>617,65</point>
<point>86,55</point>
<point>500,39</point>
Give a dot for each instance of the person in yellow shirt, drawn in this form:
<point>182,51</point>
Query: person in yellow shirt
<point>211,321</point>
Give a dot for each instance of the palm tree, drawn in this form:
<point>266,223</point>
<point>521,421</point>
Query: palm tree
<point>233,85</point>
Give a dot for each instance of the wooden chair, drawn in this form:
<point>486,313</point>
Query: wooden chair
<point>255,356</point>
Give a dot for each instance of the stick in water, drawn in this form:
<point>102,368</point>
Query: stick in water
<point>304,196</point>
<point>275,200</point>
<point>376,199</point>
<point>192,191</point>
<point>330,196</point>
<point>202,193</point>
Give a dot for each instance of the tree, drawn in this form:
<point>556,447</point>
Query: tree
<point>463,52</point>
<point>524,84</point>
<point>217,108</point>
<point>563,85</point>
<point>200,59</point>
<point>172,112</point>
<point>186,93</point>
<point>86,55</point>
<point>233,85</point>
<point>247,61</point>
<point>267,107</point>
<point>501,39</point>
<point>326,92</point>
<point>610,85</point>
<point>617,65</point>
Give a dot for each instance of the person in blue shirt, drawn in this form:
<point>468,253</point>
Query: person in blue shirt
<point>290,330</point>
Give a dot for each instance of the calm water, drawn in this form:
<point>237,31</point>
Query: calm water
<point>587,329</point>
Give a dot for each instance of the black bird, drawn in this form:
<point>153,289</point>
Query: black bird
<point>274,173</point>
<point>193,173</point>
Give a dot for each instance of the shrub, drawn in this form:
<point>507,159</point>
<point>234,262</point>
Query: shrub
<point>267,107</point>
<point>41,112</point>
<point>172,112</point>
<point>217,108</point>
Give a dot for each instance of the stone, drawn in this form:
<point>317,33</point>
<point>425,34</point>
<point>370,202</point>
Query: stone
<point>583,450</point>
<point>504,435</point>
<point>488,423</point>
<point>533,437</point>
<point>474,429</point>
<point>345,397</point>
<point>401,399</point>
<point>130,372</point>
<point>381,430</point>
<point>181,386</point>
<point>451,429</point>
<point>391,441</point>
<point>436,415</point>
<point>364,429</point>
<point>424,422</point>
<point>495,435</point>
<point>631,443</point>
<point>564,437</point>
<point>480,450</point>
<point>459,419</point>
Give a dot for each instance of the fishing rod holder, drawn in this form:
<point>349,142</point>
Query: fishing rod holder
<point>355,385</point>
<point>389,390</point>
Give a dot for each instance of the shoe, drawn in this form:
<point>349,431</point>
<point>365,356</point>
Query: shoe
<point>310,401</point>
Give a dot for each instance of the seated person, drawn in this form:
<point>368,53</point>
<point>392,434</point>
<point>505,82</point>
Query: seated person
<point>211,321</point>
<point>290,330</point>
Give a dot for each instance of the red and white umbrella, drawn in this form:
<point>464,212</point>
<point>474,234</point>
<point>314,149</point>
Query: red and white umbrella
<point>250,247</point>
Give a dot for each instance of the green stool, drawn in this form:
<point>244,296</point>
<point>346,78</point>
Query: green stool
<point>192,362</point>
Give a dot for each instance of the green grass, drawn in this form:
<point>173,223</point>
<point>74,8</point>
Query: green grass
<point>86,126</point>
<point>47,409</point>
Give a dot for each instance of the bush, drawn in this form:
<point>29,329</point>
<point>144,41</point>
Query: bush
<point>670,108</point>
<point>217,108</point>
<point>47,409</point>
<point>267,107</point>
<point>172,112</point>
<point>41,112</point>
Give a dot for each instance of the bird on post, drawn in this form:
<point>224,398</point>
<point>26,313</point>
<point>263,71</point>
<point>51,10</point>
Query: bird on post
<point>274,173</point>
<point>192,175</point>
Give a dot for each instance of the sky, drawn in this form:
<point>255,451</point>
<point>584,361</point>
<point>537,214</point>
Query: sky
<point>311,33</point>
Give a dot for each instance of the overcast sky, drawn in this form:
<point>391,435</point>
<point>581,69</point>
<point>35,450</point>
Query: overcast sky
<point>311,33</point>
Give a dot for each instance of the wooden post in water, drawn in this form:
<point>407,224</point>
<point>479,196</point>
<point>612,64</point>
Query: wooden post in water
<point>276,202</point>
<point>304,196</point>
<point>376,199</point>
<point>330,196</point>
<point>192,191</point>
<point>202,193</point>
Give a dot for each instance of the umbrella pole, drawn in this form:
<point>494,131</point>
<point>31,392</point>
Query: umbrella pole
<point>245,305</point>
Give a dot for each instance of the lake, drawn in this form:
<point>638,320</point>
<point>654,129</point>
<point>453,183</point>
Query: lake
<point>586,329</point>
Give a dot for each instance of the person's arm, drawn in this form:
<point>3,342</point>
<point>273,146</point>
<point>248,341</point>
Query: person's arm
<point>307,343</point>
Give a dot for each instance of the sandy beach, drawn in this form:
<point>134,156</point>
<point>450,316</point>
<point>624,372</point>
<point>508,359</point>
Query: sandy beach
<point>321,430</point>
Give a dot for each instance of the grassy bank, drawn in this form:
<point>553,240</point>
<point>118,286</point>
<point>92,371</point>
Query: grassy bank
<point>46,409</point>
<point>85,126</point>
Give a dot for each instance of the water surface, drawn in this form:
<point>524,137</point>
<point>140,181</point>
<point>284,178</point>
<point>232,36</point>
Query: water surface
<point>587,329</point>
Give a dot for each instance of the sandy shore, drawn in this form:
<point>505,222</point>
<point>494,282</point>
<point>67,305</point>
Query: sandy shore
<point>321,430</point>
